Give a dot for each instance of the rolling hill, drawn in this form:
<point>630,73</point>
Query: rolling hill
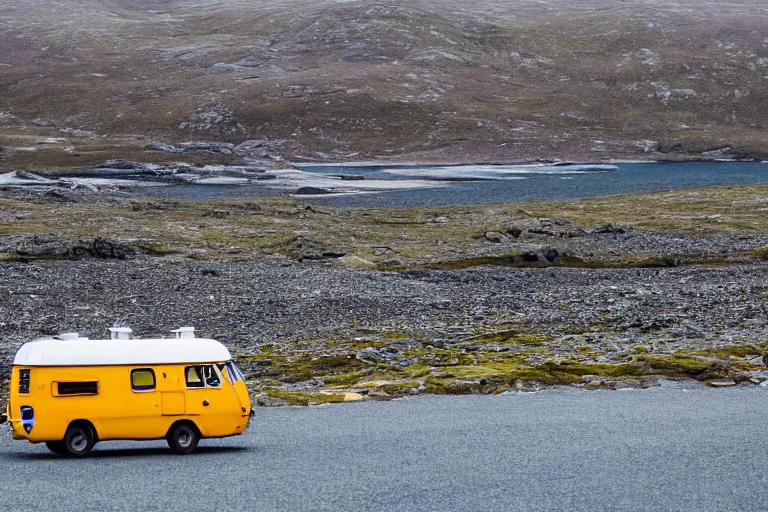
<point>431,80</point>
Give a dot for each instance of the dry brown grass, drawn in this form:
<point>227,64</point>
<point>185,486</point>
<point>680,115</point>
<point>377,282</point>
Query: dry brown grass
<point>441,79</point>
<point>227,229</point>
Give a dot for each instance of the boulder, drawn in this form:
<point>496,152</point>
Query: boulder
<point>44,251</point>
<point>99,247</point>
<point>223,148</point>
<point>550,254</point>
<point>313,255</point>
<point>63,196</point>
<point>25,175</point>
<point>721,383</point>
<point>45,122</point>
<point>610,228</point>
<point>257,147</point>
<point>495,237</point>
<point>312,191</point>
<point>265,400</point>
<point>378,395</point>
<point>163,148</point>
<point>119,164</point>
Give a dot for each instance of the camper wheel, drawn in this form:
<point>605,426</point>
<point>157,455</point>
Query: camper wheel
<point>79,439</point>
<point>57,447</point>
<point>183,437</point>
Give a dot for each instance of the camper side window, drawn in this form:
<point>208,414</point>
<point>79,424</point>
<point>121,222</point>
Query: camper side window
<point>202,376</point>
<point>143,379</point>
<point>76,388</point>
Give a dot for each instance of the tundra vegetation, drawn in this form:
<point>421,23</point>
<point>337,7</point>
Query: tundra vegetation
<point>604,293</point>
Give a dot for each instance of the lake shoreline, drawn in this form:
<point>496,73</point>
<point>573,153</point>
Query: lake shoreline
<point>382,163</point>
<point>376,184</point>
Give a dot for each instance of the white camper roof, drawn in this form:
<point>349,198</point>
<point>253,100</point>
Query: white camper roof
<point>85,352</point>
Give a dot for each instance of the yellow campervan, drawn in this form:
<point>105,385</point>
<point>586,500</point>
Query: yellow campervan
<point>71,392</point>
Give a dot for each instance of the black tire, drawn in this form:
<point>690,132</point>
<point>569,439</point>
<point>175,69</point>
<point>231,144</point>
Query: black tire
<point>183,438</point>
<point>79,440</point>
<point>57,447</point>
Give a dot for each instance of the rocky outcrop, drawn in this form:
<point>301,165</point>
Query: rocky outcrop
<point>312,191</point>
<point>495,237</point>
<point>260,148</point>
<point>194,148</point>
<point>42,247</point>
<point>216,118</point>
<point>120,164</point>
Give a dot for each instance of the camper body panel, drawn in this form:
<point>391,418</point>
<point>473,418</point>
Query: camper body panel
<point>122,402</point>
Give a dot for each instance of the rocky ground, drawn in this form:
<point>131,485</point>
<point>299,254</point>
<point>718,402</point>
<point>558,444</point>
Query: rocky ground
<point>300,329</point>
<point>331,304</point>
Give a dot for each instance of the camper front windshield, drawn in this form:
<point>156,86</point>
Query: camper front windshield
<point>233,372</point>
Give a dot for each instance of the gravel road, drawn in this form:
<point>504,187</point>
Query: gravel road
<point>663,449</point>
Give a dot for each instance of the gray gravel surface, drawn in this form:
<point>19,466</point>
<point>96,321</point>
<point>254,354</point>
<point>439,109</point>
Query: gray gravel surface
<point>264,302</point>
<point>668,449</point>
<point>246,305</point>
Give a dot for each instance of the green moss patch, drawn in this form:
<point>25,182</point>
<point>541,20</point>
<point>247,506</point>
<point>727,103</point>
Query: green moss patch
<point>343,380</point>
<point>761,253</point>
<point>730,352</point>
<point>683,366</point>
<point>303,398</point>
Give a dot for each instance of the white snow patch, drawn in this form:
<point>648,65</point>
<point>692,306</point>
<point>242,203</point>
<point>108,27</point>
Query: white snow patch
<point>13,179</point>
<point>298,179</point>
<point>497,172</point>
<point>221,180</point>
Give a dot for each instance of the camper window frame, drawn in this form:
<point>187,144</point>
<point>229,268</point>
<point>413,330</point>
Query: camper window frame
<point>24,383</point>
<point>204,382</point>
<point>56,392</point>
<point>143,389</point>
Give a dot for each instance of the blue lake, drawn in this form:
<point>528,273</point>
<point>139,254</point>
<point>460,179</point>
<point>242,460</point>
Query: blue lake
<point>629,178</point>
<point>496,186</point>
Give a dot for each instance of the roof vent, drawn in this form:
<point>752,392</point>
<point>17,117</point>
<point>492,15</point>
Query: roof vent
<point>120,333</point>
<point>184,332</point>
<point>67,336</point>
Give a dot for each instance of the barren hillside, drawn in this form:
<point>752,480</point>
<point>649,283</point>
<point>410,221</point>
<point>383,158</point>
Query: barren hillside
<point>423,79</point>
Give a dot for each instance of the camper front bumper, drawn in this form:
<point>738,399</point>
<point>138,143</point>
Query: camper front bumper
<point>18,430</point>
<point>249,419</point>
